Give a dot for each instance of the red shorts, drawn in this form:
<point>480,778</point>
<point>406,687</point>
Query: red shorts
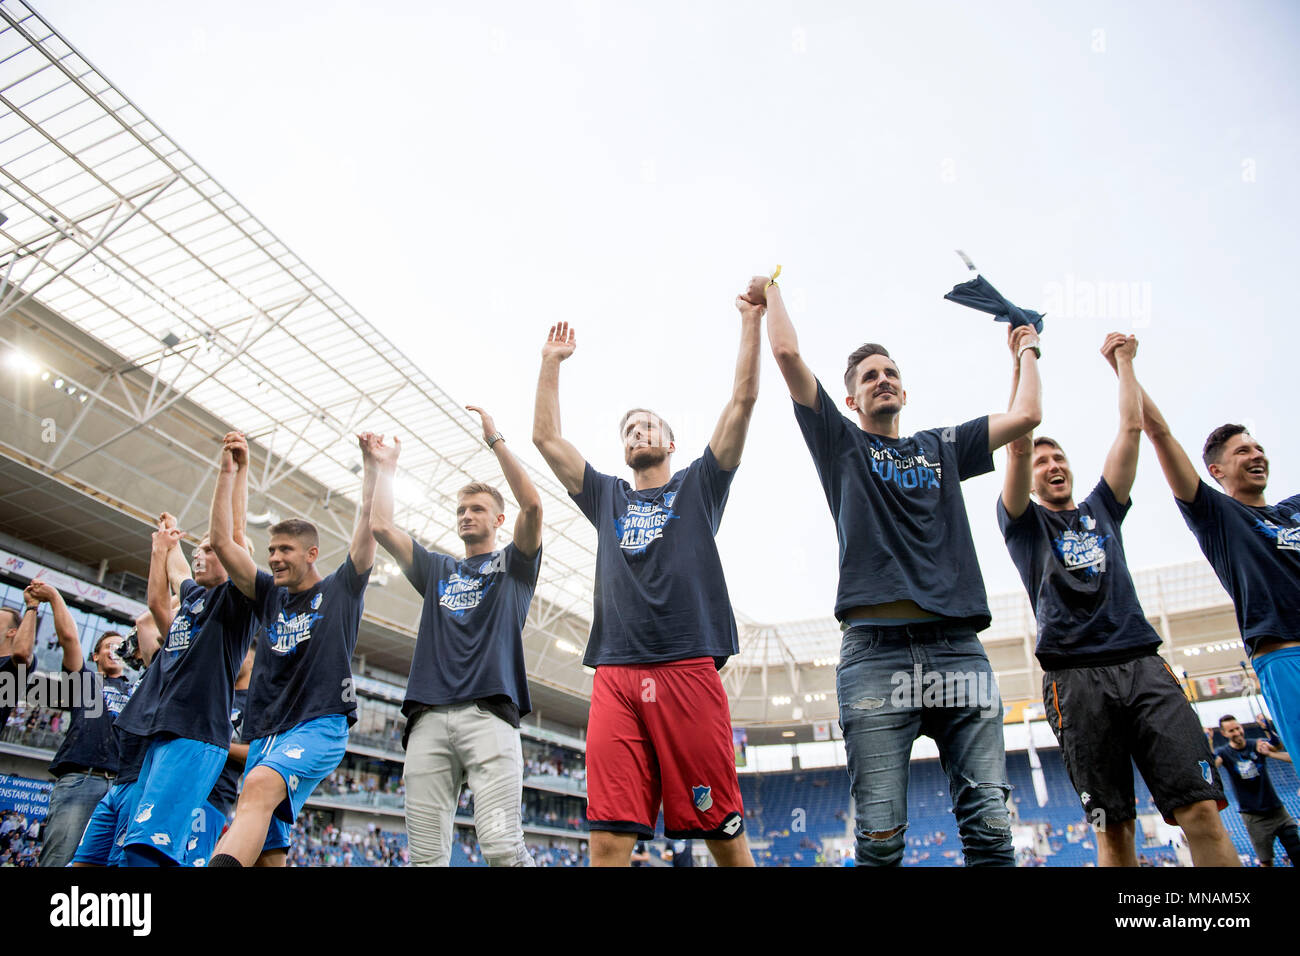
<point>662,732</point>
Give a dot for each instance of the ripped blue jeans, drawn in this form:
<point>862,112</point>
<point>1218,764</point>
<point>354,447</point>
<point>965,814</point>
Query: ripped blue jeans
<point>896,683</point>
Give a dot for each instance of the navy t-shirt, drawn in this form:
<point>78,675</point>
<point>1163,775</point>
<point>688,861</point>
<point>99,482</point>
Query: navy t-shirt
<point>9,665</point>
<point>90,741</point>
<point>1248,770</point>
<point>226,788</point>
<point>304,655</point>
<point>198,662</point>
<point>660,594</point>
<point>903,529</point>
<point>131,747</point>
<point>1256,554</point>
<point>470,642</point>
<point>1073,566</point>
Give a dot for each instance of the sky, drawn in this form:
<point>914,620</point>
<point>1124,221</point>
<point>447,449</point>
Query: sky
<point>468,174</point>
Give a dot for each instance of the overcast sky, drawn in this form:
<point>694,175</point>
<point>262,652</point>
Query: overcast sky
<point>467,174</point>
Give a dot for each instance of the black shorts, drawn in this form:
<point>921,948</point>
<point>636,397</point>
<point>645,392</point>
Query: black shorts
<point>1111,717</point>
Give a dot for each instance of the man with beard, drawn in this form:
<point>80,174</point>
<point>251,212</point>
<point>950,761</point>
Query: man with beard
<point>660,726</point>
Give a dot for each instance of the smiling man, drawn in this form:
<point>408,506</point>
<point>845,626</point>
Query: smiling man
<point>660,724</point>
<point>1110,698</point>
<point>911,598</point>
<point>1254,548</point>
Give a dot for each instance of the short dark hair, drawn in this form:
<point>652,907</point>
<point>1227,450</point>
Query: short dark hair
<point>297,528</point>
<point>14,613</point>
<point>1225,718</point>
<point>102,638</point>
<point>1213,449</point>
<point>857,355</point>
<point>483,488</point>
<point>1044,440</point>
<point>632,411</point>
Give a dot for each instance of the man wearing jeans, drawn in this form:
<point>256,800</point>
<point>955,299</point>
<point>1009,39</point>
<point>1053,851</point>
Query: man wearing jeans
<point>911,598</point>
<point>468,687</point>
<point>87,761</point>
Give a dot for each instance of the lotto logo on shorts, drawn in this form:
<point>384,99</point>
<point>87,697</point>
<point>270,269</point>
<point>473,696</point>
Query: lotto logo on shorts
<point>702,797</point>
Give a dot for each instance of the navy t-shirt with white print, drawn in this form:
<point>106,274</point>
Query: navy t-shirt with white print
<point>1256,554</point>
<point>1072,564</point>
<point>1248,770</point>
<point>304,653</point>
<point>899,512</point>
<point>198,661</point>
<point>660,594</point>
<point>90,741</point>
<point>470,641</point>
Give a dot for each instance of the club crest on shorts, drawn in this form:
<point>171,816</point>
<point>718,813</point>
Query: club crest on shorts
<point>146,811</point>
<point>1206,772</point>
<point>293,753</point>
<point>702,797</point>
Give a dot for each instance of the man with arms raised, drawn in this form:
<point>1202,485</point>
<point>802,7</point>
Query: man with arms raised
<point>468,687</point>
<point>1254,548</point>
<point>660,724</point>
<point>1246,765</point>
<point>1109,696</point>
<point>301,701</point>
<point>911,598</point>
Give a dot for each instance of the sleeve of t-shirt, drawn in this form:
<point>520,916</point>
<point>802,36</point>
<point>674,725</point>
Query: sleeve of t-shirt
<point>263,588</point>
<point>823,430</point>
<point>973,455</point>
<point>714,485</point>
<point>188,587</point>
<point>352,580</point>
<point>594,488</point>
<point>1103,497</point>
<point>1203,510</point>
<point>520,567</point>
<point>1016,528</point>
<point>418,573</point>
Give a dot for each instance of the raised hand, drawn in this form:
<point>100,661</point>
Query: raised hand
<point>752,303</point>
<point>1018,338</point>
<point>560,342</point>
<point>234,448</point>
<point>39,592</point>
<point>377,453</point>
<point>489,426</point>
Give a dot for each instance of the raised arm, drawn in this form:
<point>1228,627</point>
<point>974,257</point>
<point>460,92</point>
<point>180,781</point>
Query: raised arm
<point>178,569</point>
<point>148,637</point>
<point>1026,412</point>
<point>728,441</point>
<point>1268,750</point>
<point>565,460</point>
<point>381,459</point>
<point>65,628</point>
<point>159,594</point>
<point>1178,468</point>
<point>234,557</point>
<point>24,645</point>
<point>362,547</point>
<point>1120,469</point>
<point>799,378</point>
<point>1020,451</point>
<point>528,526</point>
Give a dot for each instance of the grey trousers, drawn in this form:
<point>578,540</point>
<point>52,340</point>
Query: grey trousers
<point>448,745</point>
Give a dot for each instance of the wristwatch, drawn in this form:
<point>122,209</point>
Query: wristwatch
<point>495,438</point>
<point>1038,352</point>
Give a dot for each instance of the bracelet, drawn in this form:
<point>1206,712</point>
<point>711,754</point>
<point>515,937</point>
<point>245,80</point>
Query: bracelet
<point>1038,352</point>
<point>772,281</point>
<point>494,439</point>
<point>32,607</point>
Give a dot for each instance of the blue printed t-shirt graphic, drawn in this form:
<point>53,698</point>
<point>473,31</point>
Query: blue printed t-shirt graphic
<point>1248,771</point>
<point>198,661</point>
<point>1255,553</point>
<point>1073,566</point>
<point>90,741</point>
<point>304,653</point>
<point>470,641</point>
<point>224,790</point>
<point>899,514</point>
<point>659,594</point>
<point>140,708</point>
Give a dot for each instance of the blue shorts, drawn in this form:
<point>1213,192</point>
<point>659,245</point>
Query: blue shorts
<point>101,844</point>
<point>1279,679</point>
<point>303,755</point>
<point>207,829</point>
<point>175,780</point>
